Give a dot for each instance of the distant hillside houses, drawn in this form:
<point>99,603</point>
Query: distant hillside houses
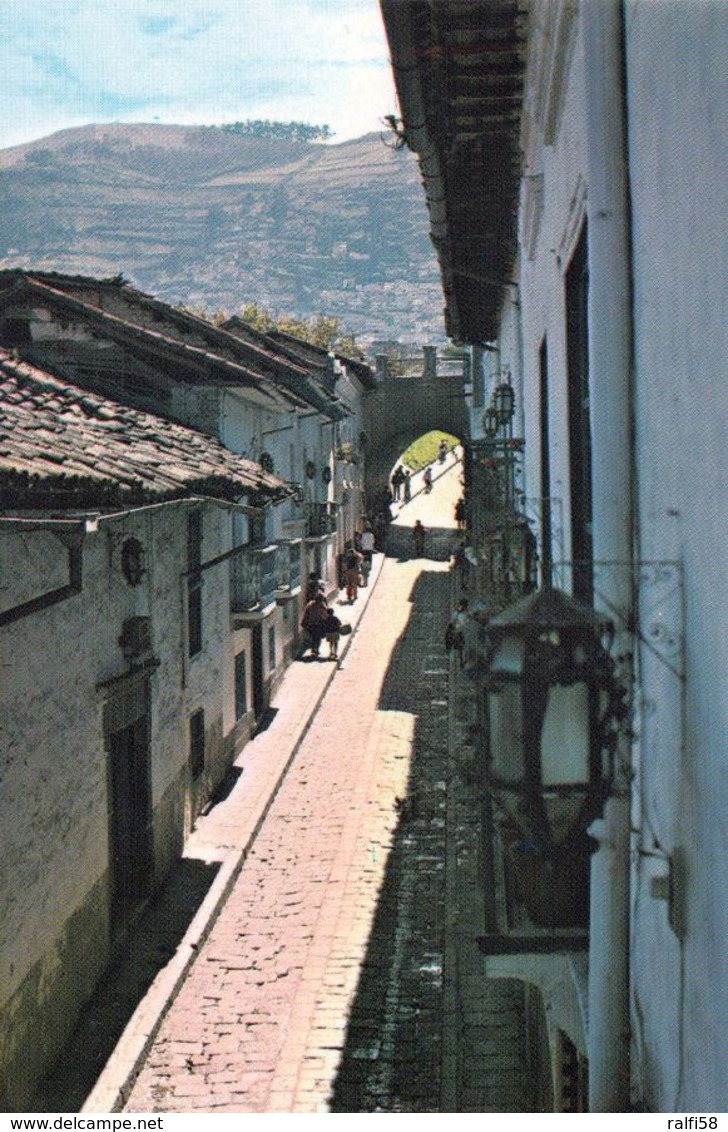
<point>221,215</point>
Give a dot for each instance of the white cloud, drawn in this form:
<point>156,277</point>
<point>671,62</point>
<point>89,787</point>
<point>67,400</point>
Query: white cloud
<point>70,61</point>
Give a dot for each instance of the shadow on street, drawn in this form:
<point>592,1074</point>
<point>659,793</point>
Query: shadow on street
<point>146,950</point>
<point>392,1057</point>
<point>440,543</point>
<point>412,1043</point>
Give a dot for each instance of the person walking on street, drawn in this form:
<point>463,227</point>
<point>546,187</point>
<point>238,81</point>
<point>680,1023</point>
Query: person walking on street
<point>407,487</point>
<point>418,539</point>
<point>461,563</point>
<point>427,479</point>
<point>397,481</point>
<point>313,621</point>
<point>455,633</point>
<point>367,541</point>
<point>367,551</point>
<point>332,632</point>
<point>314,585</point>
<point>442,451</point>
<point>352,570</point>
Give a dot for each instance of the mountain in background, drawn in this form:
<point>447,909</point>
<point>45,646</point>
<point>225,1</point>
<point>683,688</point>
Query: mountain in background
<point>200,215</point>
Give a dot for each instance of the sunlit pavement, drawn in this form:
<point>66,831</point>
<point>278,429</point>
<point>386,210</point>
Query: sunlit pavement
<point>436,508</point>
<point>323,985</point>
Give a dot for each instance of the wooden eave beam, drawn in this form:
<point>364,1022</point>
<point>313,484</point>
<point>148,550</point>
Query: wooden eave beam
<point>474,122</point>
<point>465,103</point>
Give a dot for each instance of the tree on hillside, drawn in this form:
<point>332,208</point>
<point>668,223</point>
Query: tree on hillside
<point>395,363</point>
<point>321,330</point>
<point>200,310</point>
<point>257,316</point>
<point>349,347</point>
<point>279,131</point>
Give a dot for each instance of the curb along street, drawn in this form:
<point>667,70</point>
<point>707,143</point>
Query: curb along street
<point>273,761</point>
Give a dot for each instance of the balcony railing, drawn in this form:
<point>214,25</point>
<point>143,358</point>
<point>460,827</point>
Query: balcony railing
<point>320,520</point>
<point>497,476</point>
<point>253,578</point>
<point>288,566</point>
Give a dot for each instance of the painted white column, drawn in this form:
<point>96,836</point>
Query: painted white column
<point>610,364</point>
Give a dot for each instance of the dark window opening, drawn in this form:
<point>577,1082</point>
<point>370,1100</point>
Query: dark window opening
<point>241,686</point>
<point>194,540</point>
<point>132,561</point>
<point>545,455</point>
<point>194,618</point>
<point>194,582</point>
<point>197,743</point>
<point>15,332</point>
<point>580,444</point>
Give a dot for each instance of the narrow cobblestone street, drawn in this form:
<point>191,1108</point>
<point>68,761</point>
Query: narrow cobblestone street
<point>339,975</point>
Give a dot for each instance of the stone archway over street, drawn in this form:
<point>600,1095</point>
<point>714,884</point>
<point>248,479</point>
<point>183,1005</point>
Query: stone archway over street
<point>404,408</point>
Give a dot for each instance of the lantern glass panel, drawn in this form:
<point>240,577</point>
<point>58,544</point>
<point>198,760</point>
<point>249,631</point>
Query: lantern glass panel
<point>565,736</point>
<point>506,737</point>
<point>503,400</point>
<point>491,421</point>
<point>508,657</point>
<point>562,813</point>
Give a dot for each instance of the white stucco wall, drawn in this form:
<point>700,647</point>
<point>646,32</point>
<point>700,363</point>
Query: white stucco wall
<point>676,94</point>
<point>532,312</point>
<point>54,824</point>
<point>678,91</point>
<point>542,296</point>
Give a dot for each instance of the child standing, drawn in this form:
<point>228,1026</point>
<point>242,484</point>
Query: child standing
<point>332,632</point>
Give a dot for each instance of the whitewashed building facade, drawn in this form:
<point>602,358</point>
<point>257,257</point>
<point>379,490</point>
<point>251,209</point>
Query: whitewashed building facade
<point>154,539</point>
<point>587,267</point>
<point>121,703</point>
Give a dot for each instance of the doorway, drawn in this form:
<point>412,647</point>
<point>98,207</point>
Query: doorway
<point>130,808</point>
<point>260,698</point>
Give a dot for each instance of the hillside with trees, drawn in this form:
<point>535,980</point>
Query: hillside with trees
<point>221,217</point>
<point>282,131</point>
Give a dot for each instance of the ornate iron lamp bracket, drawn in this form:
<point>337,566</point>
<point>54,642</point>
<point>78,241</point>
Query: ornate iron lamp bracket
<point>659,604</point>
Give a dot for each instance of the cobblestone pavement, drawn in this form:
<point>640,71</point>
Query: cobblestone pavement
<point>260,1021</point>
<point>341,974</point>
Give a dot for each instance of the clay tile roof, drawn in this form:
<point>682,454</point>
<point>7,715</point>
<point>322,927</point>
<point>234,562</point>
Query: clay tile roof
<point>198,358</point>
<point>58,439</point>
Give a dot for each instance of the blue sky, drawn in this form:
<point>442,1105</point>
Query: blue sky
<point>203,62</point>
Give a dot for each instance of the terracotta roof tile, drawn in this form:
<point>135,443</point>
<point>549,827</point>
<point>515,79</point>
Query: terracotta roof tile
<point>48,432</point>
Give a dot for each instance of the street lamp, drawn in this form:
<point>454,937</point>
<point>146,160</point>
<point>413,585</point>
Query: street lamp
<point>504,402</point>
<point>491,422</point>
<point>553,707</point>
